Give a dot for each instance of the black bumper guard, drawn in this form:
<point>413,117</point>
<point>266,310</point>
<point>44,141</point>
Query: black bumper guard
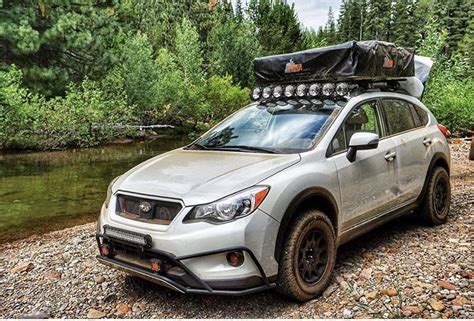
<point>163,280</point>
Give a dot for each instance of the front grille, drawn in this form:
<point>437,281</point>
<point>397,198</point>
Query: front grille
<point>147,210</point>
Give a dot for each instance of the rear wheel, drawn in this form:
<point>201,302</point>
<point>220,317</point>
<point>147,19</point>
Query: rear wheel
<point>308,258</point>
<point>435,208</point>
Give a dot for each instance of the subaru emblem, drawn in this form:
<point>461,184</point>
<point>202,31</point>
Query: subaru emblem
<point>145,207</point>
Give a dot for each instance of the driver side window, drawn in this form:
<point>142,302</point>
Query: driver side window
<point>363,118</point>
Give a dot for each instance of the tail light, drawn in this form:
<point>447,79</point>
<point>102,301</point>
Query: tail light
<point>444,130</point>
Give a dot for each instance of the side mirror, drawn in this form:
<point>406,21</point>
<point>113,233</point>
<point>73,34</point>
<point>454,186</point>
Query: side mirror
<point>361,141</point>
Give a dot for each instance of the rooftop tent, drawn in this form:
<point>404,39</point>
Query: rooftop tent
<point>422,68</point>
<point>353,60</point>
<point>415,86</point>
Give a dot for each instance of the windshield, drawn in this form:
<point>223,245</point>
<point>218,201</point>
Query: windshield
<point>277,127</point>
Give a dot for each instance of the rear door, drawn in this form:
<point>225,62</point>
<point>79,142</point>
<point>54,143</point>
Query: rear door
<point>406,126</point>
<point>367,185</point>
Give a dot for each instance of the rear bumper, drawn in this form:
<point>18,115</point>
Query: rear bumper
<point>180,278</point>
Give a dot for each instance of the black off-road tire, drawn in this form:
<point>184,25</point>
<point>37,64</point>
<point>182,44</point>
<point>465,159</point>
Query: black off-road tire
<point>432,211</point>
<point>304,230</point>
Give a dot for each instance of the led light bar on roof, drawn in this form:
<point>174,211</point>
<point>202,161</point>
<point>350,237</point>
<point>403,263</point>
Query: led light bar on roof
<point>340,89</point>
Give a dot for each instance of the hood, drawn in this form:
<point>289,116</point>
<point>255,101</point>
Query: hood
<point>199,177</point>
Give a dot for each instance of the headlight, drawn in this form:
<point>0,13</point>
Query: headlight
<point>109,191</point>
<point>229,208</point>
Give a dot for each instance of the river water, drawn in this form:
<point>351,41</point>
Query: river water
<point>45,191</point>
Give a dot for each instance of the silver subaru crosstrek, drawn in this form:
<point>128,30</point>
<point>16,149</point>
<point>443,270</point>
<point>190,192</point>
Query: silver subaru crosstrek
<point>265,198</point>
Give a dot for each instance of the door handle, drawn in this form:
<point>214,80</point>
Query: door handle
<point>427,141</point>
<point>390,156</point>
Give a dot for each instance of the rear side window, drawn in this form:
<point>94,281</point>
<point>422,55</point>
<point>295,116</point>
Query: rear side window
<point>421,117</point>
<point>398,115</point>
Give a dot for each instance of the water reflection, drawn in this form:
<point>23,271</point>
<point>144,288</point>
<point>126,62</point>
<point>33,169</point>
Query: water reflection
<point>51,190</point>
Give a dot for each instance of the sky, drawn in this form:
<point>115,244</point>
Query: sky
<point>313,13</point>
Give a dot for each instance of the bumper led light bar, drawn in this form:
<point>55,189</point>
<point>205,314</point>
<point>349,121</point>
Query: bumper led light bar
<point>127,236</point>
<point>339,89</point>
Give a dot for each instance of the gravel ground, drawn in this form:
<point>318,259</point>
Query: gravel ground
<point>400,270</point>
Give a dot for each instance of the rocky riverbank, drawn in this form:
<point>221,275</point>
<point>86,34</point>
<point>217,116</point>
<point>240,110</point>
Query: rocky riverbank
<point>400,270</point>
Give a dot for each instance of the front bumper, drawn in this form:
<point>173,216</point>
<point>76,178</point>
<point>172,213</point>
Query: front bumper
<point>176,276</point>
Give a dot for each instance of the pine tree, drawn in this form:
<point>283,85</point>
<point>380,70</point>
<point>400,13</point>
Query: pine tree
<point>330,29</point>
<point>349,22</point>
<point>377,20</point>
<point>278,27</point>
<point>239,11</point>
<point>55,42</point>
<point>232,48</point>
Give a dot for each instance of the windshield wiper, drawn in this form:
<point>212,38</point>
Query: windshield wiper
<point>197,146</point>
<point>245,148</point>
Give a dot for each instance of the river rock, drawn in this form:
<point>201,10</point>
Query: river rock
<point>23,267</point>
<point>371,295</point>
<point>389,292</point>
<point>95,314</point>
<point>436,304</point>
<point>122,309</point>
<point>52,275</point>
<point>460,301</point>
<point>414,309</point>
<point>446,285</point>
<point>347,314</point>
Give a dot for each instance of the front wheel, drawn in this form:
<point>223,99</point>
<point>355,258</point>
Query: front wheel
<point>435,207</point>
<point>308,257</point>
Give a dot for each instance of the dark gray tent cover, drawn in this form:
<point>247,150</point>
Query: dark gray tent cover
<point>353,60</point>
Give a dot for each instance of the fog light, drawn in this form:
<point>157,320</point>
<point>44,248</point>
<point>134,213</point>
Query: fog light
<point>155,265</point>
<point>235,259</point>
<point>104,249</point>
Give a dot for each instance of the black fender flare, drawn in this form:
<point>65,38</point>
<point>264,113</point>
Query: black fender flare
<point>291,211</point>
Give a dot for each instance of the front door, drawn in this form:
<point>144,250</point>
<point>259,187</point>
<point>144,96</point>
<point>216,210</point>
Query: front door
<point>368,186</point>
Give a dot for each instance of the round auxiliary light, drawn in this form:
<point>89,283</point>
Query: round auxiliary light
<point>256,93</point>
<point>277,91</point>
<point>235,258</point>
<point>289,90</point>
<point>301,90</point>
<point>342,88</point>
<point>328,89</point>
<point>314,90</point>
<point>267,92</point>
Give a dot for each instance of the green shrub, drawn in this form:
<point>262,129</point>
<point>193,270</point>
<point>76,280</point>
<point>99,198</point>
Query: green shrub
<point>85,116</point>
<point>450,96</point>
<point>224,98</point>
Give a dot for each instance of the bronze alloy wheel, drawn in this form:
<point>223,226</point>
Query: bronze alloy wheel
<point>308,257</point>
